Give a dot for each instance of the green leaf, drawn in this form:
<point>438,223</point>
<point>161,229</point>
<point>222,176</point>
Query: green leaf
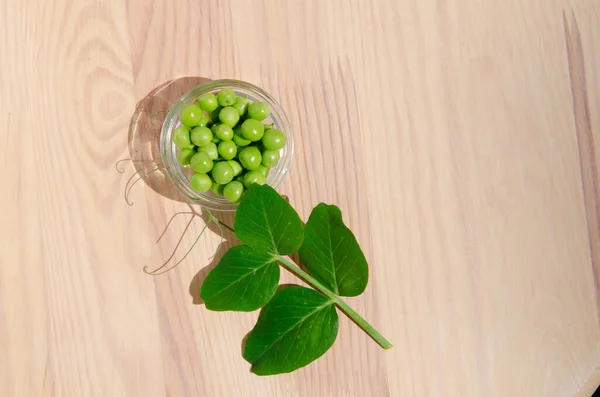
<point>244,280</point>
<point>331,253</point>
<point>295,328</point>
<point>266,222</point>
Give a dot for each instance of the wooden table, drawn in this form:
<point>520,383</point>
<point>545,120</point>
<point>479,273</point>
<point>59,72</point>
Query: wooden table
<point>459,138</point>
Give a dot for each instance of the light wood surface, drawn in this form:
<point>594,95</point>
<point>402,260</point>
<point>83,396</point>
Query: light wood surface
<point>459,139</point>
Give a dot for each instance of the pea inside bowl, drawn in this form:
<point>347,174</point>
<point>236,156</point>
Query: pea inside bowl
<point>223,136</point>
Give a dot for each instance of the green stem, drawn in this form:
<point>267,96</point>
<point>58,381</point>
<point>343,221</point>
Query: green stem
<point>226,225</point>
<point>343,306</point>
<point>214,218</point>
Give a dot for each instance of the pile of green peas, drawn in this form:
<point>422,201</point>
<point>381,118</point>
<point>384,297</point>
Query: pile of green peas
<point>223,139</point>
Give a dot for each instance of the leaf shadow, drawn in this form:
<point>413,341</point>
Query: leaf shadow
<point>229,240</point>
<point>244,339</point>
<point>284,286</point>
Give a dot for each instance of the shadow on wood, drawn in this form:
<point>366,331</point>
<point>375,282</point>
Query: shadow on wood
<point>229,240</point>
<point>144,133</point>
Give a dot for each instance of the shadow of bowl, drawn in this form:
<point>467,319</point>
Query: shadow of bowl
<point>144,133</point>
<point>229,240</point>
<point>144,148</point>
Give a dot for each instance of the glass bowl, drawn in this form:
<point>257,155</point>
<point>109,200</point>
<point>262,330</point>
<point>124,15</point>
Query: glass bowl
<point>180,175</point>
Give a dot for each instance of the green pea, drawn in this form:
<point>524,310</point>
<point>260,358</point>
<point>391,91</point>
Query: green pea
<point>200,182</point>
<point>233,191</point>
<point>204,120</point>
<point>252,130</point>
<point>207,101</point>
<point>229,116</point>
<point>227,150</point>
<point>238,138</point>
<point>185,155</point>
<point>190,115</point>
<point>240,141</point>
<point>237,168</point>
<point>273,139</point>
<point>270,158</point>
<point>269,126</point>
<point>258,111</point>
<point>214,115</point>
<point>201,163</point>
<point>222,173</point>
<point>211,150</point>
<point>216,140</point>
<point>223,132</point>
<point>181,137</point>
<point>239,178</point>
<point>226,97</point>
<point>217,188</point>
<point>263,170</point>
<point>201,136</point>
<point>250,158</point>
<point>253,177</point>
<point>241,105</point>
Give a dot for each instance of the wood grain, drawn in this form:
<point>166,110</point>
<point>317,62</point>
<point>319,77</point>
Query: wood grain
<point>459,138</point>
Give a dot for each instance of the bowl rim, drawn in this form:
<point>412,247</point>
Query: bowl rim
<point>168,150</point>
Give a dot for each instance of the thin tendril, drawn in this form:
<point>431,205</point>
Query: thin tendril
<point>137,173</point>
<point>210,215</point>
<point>226,225</point>
<point>169,223</point>
<point>211,218</point>
<point>118,163</point>
<point>145,269</point>
<point>127,191</point>
<point>157,273</point>
<point>156,114</point>
<point>218,222</point>
<point>193,245</point>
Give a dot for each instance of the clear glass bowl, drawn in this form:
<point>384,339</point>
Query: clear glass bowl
<point>179,175</point>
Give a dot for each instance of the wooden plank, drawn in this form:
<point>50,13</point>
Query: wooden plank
<point>458,138</point>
